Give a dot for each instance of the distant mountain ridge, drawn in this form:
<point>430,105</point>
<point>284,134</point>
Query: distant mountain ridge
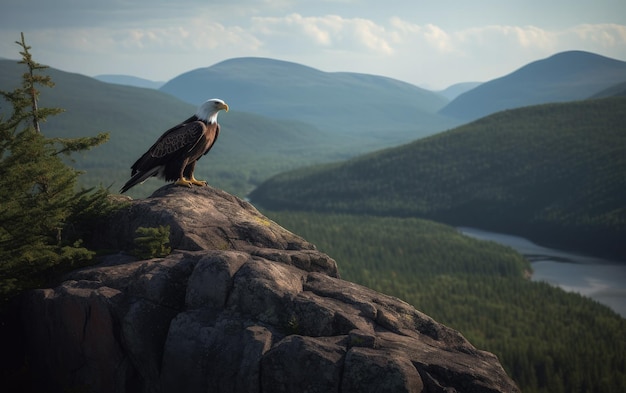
<point>129,80</point>
<point>618,90</point>
<point>566,76</point>
<point>453,91</point>
<point>339,102</point>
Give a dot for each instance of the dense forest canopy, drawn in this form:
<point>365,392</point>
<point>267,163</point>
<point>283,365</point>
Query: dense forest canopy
<point>548,340</point>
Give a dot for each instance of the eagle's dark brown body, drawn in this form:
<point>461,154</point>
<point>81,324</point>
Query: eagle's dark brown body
<point>179,149</point>
<point>174,155</point>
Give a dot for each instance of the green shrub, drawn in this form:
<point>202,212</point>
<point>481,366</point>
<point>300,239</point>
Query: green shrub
<point>152,242</point>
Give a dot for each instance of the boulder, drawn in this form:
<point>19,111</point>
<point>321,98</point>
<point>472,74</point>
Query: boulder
<point>240,305</point>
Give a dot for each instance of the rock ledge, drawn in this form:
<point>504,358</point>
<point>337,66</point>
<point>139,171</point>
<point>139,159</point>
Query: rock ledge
<point>241,305</point>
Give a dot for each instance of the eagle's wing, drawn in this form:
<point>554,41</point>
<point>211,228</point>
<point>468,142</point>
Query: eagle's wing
<point>175,141</point>
<point>178,139</point>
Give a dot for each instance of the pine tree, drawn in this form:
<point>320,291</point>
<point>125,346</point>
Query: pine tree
<point>38,199</point>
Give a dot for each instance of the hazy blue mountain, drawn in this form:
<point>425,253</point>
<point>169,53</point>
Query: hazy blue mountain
<point>375,107</point>
<point>453,91</point>
<point>618,90</point>
<point>566,76</point>
<point>129,80</point>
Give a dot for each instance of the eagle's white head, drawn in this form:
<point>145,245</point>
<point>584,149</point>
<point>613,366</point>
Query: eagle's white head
<point>208,111</point>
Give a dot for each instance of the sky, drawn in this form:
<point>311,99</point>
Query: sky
<point>432,44</point>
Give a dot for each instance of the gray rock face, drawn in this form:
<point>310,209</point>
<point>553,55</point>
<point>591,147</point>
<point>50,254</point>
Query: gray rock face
<point>241,305</point>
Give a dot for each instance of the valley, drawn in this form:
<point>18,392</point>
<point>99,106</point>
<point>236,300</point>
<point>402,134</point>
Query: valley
<point>552,173</point>
<point>369,169</point>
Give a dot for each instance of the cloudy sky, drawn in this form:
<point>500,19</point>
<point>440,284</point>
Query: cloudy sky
<point>432,43</point>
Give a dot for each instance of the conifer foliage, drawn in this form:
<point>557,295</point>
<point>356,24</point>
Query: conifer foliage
<point>38,198</point>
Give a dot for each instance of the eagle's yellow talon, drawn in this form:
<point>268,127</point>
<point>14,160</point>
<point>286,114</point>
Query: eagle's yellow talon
<point>197,182</point>
<point>183,182</point>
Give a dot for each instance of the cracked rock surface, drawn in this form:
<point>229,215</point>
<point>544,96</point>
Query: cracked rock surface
<point>240,305</point>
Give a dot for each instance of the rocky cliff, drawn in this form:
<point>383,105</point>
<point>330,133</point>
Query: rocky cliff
<point>240,305</point>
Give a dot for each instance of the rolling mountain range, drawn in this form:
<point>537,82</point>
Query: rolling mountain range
<point>307,116</point>
<point>372,107</point>
<point>252,147</point>
<point>566,76</point>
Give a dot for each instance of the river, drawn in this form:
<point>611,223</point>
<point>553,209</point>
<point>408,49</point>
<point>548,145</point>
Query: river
<point>600,279</point>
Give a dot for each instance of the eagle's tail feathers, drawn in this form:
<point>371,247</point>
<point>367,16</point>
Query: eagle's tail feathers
<point>139,177</point>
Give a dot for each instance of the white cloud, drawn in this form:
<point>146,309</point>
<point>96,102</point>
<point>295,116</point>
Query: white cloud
<point>496,43</point>
<point>521,37</point>
<point>295,32</point>
<point>196,35</point>
<point>429,34</point>
<point>604,35</point>
<point>166,43</point>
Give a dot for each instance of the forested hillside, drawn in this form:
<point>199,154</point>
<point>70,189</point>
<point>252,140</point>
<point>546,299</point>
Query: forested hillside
<point>548,340</point>
<point>553,173</point>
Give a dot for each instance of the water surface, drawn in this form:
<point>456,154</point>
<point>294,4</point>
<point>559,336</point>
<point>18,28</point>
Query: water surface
<point>600,279</point>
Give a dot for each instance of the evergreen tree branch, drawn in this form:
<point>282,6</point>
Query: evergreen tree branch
<point>30,79</point>
<point>42,217</point>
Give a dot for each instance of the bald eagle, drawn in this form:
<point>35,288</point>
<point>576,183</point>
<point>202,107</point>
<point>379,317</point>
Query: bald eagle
<point>174,155</point>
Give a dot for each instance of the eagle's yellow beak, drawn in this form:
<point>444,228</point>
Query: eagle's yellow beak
<point>224,106</point>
